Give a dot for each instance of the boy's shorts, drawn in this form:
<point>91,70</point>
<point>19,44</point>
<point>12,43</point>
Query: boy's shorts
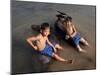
<point>48,50</point>
<point>76,39</point>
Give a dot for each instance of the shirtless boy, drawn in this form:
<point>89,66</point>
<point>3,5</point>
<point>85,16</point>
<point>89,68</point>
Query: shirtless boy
<point>44,46</point>
<point>72,33</point>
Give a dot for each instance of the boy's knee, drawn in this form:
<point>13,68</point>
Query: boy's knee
<point>53,54</point>
<point>56,45</point>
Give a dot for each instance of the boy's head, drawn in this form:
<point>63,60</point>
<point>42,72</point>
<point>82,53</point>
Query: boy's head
<point>68,20</point>
<point>45,29</point>
<point>61,17</point>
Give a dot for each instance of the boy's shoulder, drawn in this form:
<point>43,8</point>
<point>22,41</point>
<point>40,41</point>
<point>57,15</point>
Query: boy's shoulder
<point>38,36</point>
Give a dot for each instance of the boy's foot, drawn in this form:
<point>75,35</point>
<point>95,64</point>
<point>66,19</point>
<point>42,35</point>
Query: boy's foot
<point>59,47</point>
<point>86,43</point>
<point>69,61</point>
<point>81,50</point>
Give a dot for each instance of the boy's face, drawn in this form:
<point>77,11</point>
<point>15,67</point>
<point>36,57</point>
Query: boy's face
<point>46,32</point>
<point>67,23</point>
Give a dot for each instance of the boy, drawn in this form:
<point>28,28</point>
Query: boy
<point>72,33</point>
<point>44,46</point>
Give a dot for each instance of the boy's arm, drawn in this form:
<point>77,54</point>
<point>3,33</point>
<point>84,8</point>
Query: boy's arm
<point>30,41</point>
<point>51,45</point>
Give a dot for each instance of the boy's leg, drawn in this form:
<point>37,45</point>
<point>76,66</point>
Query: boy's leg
<point>57,46</point>
<point>80,49</point>
<point>84,41</point>
<point>58,57</point>
<point>61,59</point>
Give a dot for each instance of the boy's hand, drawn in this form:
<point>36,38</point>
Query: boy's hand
<point>67,37</point>
<point>73,34</point>
<point>35,47</point>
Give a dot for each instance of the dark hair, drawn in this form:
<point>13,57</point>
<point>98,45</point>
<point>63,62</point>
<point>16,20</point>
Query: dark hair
<point>44,26</point>
<point>60,16</point>
<point>69,18</point>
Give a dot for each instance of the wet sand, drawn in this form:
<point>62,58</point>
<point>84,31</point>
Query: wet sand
<point>24,14</point>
